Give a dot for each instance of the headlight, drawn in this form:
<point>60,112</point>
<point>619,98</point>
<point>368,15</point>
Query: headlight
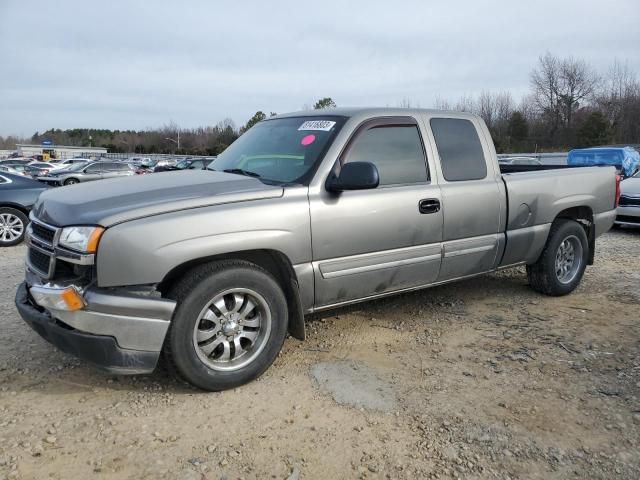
<point>82,239</point>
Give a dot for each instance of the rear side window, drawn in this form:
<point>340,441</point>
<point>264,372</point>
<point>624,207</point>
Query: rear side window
<point>95,168</point>
<point>396,150</point>
<point>460,150</point>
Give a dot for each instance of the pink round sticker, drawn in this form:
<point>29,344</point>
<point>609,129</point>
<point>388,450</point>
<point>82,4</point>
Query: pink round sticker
<point>308,140</point>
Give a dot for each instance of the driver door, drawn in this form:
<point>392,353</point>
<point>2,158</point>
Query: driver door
<point>369,242</point>
<point>92,172</point>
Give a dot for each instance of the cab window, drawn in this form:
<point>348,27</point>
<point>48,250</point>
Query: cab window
<point>396,151</point>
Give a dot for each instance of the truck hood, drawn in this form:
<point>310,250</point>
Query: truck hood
<point>108,202</point>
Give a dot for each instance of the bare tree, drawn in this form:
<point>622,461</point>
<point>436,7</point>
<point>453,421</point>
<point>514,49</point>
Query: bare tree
<point>494,108</point>
<point>619,101</point>
<point>486,107</point>
<point>545,83</point>
<point>465,103</point>
<point>406,103</point>
<point>560,87</point>
<point>578,82</point>
<point>441,104</point>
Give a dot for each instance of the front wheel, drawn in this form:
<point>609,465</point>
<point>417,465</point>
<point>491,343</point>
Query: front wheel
<point>13,226</point>
<point>71,181</point>
<point>229,325</point>
<point>563,261</point>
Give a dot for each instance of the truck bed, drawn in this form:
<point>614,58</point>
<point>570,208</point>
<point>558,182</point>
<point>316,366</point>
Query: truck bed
<point>537,195</point>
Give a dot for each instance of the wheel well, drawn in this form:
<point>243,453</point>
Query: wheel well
<point>15,207</point>
<point>584,216</point>
<point>273,261</point>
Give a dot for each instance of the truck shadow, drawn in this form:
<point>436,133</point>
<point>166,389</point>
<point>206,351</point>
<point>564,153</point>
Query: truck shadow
<point>75,376</point>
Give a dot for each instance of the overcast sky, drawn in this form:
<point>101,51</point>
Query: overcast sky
<point>139,64</point>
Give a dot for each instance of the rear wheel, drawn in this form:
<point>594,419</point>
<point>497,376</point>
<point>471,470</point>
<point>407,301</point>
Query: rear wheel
<point>229,325</point>
<point>563,261</point>
<point>13,225</point>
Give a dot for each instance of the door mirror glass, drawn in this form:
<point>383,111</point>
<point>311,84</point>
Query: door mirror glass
<point>355,176</point>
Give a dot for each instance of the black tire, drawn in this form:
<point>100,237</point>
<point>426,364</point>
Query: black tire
<point>543,276</point>
<point>193,293</point>
<point>71,181</point>
<point>15,216</point>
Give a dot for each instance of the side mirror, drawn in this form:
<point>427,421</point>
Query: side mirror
<point>355,176</point>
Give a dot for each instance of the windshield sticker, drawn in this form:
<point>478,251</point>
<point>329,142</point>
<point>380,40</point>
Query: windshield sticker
<point>323,125</point>
<point>308,140</point>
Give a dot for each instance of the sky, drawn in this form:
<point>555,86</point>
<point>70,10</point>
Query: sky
<point>142,64</point>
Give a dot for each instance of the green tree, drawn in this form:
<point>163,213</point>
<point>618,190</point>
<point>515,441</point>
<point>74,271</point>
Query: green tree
<point>518,127</point>
<point>257,117</point>
<point>594,131</point>
<point>326,102</point>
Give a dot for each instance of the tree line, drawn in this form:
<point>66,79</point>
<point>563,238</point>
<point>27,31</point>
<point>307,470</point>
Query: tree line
<point>569,104</point>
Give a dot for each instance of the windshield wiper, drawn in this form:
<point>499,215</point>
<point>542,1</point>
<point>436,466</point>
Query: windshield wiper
<point>240,171</point>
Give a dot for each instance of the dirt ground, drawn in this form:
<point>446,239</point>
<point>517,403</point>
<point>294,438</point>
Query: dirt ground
<point>479,379</point>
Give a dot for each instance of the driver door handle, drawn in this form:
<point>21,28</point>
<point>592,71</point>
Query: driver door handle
<point>429,205</point>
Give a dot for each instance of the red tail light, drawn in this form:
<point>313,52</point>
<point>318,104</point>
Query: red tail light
<point>618,180</point>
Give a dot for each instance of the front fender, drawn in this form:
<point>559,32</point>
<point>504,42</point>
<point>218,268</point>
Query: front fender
<point>144,251</point>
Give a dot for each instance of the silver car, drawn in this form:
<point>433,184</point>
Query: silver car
<point>628,213</point>
<point>87,172</point>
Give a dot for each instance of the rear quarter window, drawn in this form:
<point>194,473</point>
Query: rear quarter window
<point>460,150</point>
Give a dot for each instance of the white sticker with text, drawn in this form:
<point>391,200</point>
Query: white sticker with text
<point>323,125</point>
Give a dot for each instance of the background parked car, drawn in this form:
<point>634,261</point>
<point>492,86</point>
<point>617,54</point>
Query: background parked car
<point>16,161</point>
<point>187,164</point>
<point>628,212</point>
<point>36,169</point>
<point>162,164</point>
<point>70,161</point>
<point>17,196</point>
<point>520,161</point>
<point>82,172</point>
<point>13,169</point>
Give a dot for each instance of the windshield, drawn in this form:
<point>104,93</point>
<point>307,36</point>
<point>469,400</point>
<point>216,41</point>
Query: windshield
<point>75,167</point>
<point>283,150</point>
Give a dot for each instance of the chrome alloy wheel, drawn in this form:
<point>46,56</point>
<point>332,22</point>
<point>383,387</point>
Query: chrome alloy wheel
<point>232,329</point>
<point>568,259</point>
<point>11,227</point>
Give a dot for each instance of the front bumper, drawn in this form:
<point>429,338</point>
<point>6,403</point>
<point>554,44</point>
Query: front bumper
<point>117,330</point>
<point>628,215</point>
<point>49,180</point>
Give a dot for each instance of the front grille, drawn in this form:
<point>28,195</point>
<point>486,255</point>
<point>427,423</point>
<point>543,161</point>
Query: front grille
<point>626,201</point>
<point>42,232</point>
<point>628,219</point>
<point>40,261</point>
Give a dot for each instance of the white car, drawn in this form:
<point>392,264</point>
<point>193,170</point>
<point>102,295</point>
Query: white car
<point>14,169</point>
<point>68,162</point>
<point>628,212</point>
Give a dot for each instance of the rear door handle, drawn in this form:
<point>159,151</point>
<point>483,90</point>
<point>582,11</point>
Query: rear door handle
<point>429,205</point>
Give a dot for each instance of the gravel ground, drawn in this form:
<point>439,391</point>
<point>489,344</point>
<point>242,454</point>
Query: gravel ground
<point>479,379</point>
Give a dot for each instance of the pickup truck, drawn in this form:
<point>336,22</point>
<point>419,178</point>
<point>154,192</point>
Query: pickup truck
<point>304,212</point>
